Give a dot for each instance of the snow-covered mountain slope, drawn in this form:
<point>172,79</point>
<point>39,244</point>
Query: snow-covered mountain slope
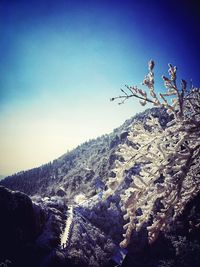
<point>82,170</point>
<point>92,228</point>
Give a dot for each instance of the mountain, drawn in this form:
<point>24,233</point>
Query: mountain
<point>62,220</point>
<point>82,170</point>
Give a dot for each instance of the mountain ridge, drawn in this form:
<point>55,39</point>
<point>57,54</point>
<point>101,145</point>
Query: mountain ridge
<point>84,169</point>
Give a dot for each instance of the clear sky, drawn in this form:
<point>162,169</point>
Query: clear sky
<point>62,60</point>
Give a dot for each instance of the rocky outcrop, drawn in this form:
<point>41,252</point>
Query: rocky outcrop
<point>29,232</point>
<point>18,224</point>
<point>21,222</point>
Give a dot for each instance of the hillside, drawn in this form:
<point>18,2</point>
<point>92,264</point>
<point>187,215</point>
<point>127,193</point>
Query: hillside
<point>82,170</point>
<point>65,196</point>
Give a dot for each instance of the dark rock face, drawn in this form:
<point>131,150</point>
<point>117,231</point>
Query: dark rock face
<point>28,232</point>
<point>18,223</point>
<point>54,259</point>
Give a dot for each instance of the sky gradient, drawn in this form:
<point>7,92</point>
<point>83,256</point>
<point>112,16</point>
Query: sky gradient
<point>62,60</point>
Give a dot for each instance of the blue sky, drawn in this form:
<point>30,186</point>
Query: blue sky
<point>62,60</point>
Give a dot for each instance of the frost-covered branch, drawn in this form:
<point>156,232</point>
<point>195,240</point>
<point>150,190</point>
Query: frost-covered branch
<point>172,153</point>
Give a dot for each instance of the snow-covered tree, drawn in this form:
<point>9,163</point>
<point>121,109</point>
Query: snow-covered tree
<point>169,157</point>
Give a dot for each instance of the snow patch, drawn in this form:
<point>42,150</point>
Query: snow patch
<point>65,234</point>
<point>80,198</point>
